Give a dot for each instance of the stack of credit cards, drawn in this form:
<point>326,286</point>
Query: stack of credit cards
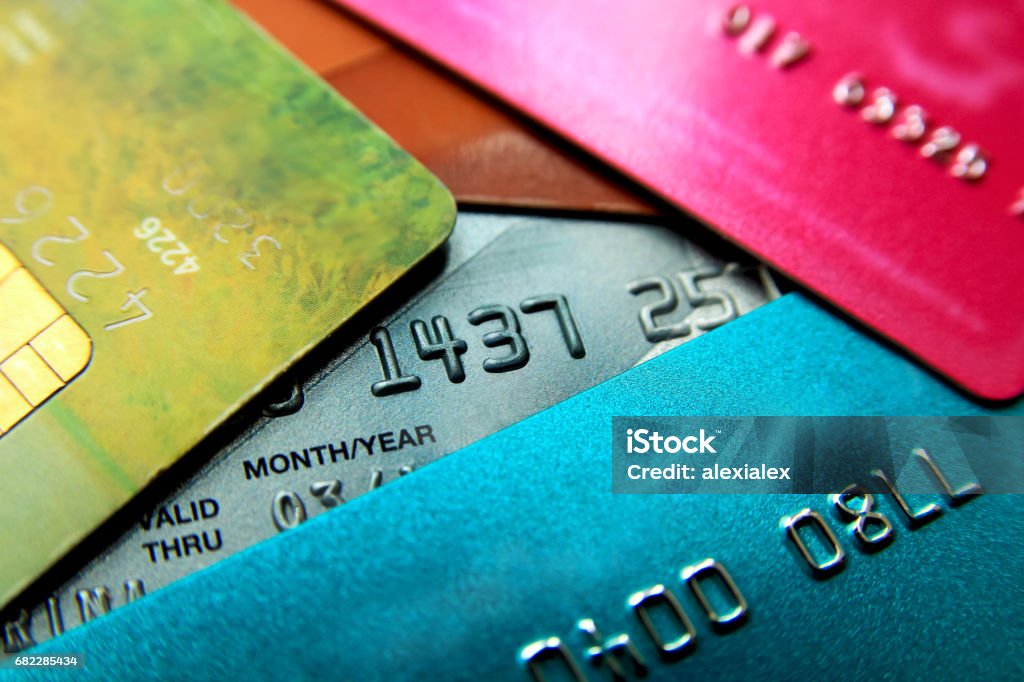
<point>438,275</point>
<point>513,560</point>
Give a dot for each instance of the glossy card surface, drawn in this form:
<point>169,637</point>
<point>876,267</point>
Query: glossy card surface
<point>500,554</point>
<point>184,211</point>
<point>897,194</point>
<point>483,153</point>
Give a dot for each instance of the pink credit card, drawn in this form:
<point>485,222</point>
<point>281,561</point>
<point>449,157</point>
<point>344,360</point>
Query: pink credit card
<point>872,150</point>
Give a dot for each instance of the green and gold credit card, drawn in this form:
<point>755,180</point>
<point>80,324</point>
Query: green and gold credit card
<point>184,211</point>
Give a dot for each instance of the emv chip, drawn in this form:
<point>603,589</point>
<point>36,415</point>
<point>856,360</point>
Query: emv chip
<point>41,347</point>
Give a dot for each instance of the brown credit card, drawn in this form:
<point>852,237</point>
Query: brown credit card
<point>484,154</point>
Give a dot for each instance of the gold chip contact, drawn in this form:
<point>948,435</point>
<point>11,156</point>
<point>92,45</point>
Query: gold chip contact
<point>41,347</point>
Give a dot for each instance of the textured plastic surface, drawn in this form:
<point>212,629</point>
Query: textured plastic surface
<point>764,154</point>
<point>446,573</point>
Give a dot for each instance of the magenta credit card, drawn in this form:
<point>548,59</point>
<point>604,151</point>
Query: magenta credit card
<point>872,150</point>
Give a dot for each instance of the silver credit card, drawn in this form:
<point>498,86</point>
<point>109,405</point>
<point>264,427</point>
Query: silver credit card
<point>523,313</point>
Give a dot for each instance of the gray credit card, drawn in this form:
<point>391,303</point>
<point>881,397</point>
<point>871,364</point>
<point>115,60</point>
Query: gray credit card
<point>523,313</point>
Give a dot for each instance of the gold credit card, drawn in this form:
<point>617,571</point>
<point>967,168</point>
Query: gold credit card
<point>184,211</point>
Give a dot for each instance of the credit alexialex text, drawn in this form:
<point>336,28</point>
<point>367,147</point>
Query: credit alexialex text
<point>644,441</point>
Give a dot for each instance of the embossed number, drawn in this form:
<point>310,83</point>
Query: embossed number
<point>668,303</point>
<point>247,257</point>
<point>281,404</point>
<point>441,346</point>
<point>861,515</point>
<point>37,247</point>
<point>116,270</point>
<point>699,298</point>
<point>394,381</point>
<point>566,321</point>
<point>287,510</point>
<point>941,143</point>
<point>328,492</point>
<point>23,205</point>
<point>509,335</point>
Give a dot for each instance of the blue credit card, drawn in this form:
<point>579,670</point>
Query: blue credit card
<point>512,559</point>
